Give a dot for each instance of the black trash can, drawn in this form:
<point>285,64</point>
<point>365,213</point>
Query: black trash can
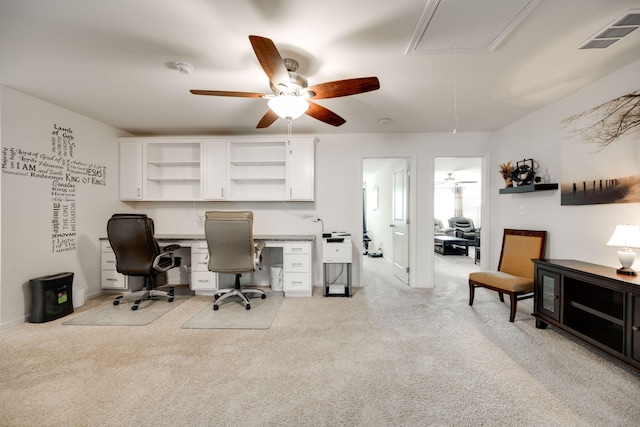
<point>51,297</point>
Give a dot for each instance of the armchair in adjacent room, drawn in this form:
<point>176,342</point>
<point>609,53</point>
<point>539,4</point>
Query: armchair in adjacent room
<point>137,252</point>
<point>232,250</point>
<point>515,268</point>
<point>463,228</point>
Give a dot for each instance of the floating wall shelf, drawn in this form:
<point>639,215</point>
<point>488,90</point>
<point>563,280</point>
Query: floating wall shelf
<point>528,188</point>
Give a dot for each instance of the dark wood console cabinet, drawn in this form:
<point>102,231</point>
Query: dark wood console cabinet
<point>591,302</point>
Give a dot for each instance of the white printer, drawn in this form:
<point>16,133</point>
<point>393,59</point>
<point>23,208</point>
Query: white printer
<point>336,248</point>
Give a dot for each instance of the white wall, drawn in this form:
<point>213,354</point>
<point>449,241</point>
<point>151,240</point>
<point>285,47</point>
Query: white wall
<point>27,201</point>
<point>575,232</point>
<point>338,192</point>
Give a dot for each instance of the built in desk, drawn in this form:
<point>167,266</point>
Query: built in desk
<point>292,252</point>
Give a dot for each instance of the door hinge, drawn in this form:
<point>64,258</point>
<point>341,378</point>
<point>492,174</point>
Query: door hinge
<point>408,268</point>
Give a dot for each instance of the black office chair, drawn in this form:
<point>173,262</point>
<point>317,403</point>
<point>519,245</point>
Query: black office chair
<point>232,250</point>
<point>138,254</point>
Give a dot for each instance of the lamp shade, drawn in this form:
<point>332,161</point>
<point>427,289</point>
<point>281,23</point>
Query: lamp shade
<point>288,106</point>
<point>625,236</point>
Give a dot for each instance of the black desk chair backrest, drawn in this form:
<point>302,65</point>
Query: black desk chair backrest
<point>132,239</point>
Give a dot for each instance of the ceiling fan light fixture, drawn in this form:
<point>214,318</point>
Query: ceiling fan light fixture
<point>288,106</point>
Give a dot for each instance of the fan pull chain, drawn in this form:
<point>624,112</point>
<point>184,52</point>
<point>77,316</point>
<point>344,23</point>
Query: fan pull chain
<point>289,126</point>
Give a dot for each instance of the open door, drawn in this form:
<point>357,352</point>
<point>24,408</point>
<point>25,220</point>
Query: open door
<point>400,223</point>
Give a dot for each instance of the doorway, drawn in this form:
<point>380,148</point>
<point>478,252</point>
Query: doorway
<point>457,193</point>
<point>386,215</point>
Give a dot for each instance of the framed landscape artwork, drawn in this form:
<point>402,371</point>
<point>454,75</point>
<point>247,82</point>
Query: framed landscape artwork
<point>601,154</point>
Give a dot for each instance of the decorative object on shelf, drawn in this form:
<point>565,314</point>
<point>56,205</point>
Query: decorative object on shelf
<point>525,172</point>
<point>506,169</point>
<point>626,237</point>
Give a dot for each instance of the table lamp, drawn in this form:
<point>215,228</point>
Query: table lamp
<point>626,237</point>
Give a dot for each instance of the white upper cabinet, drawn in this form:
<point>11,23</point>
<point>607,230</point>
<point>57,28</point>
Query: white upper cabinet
<point>130,170</point>
<point>300,169</point>
<point>215,170</point>
<point>212,168</point>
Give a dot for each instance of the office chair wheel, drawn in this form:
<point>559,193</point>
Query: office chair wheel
<point>134,307</point>
<point>263,296</point>
<point>248,306</point>
<point>171,299</point>
<point>215,306</point>
<point>116,302</point>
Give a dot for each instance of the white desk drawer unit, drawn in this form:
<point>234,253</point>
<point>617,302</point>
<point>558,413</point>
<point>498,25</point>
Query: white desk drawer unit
<point>111,279</point>
<point>296,264</point>
<point>201,278</point>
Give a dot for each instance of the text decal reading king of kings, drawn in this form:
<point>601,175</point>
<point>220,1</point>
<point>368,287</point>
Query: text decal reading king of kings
<point>64,173</point>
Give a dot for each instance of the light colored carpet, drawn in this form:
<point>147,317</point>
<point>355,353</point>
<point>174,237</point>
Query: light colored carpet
<point>122,315</point>
<point>388,356</point>
<point>233,315</point>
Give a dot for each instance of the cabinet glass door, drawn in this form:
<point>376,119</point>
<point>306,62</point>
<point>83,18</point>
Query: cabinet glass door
<point>548,284</point>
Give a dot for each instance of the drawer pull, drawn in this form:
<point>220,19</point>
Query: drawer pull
<point>296,264</point>
<point>293,282</point>
<point>112,280</point>
<point>203,281</point>
<point>110,262</point>
<point>296,249</point>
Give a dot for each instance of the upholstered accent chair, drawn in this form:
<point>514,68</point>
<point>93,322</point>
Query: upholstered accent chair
<point>515,268</point>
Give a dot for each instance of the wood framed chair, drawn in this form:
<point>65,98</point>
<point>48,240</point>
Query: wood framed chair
<point>515,269</point>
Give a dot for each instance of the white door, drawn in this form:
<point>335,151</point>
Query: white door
<point>400,224</point>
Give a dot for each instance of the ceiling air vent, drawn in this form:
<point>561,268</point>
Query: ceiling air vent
<point>619,28</point>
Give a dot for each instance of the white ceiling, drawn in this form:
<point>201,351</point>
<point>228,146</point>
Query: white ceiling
<point>113,60</point>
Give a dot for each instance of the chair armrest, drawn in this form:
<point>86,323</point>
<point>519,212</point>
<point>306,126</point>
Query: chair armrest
<point>167,251</point>
<point>257,260</point>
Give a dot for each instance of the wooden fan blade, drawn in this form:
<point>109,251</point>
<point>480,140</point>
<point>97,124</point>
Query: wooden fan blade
<point>344,87</point>
<point>324,115</point>
<point>271,61</point>
<point>227,93</point>
<point>267,120</point>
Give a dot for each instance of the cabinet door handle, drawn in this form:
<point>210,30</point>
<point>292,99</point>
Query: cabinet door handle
<point>635,328</point>
<point>222,192</point>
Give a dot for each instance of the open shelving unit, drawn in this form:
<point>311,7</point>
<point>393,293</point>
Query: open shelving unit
<point>173,170</point>
<point>257,170</point>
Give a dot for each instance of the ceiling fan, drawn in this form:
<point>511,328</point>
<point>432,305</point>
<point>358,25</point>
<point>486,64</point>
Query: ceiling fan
<point>454,181</point>
<point>291,95</point>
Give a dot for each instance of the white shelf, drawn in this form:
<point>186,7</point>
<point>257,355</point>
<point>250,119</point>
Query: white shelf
<point>258,162</point>
<point>173,163</point>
